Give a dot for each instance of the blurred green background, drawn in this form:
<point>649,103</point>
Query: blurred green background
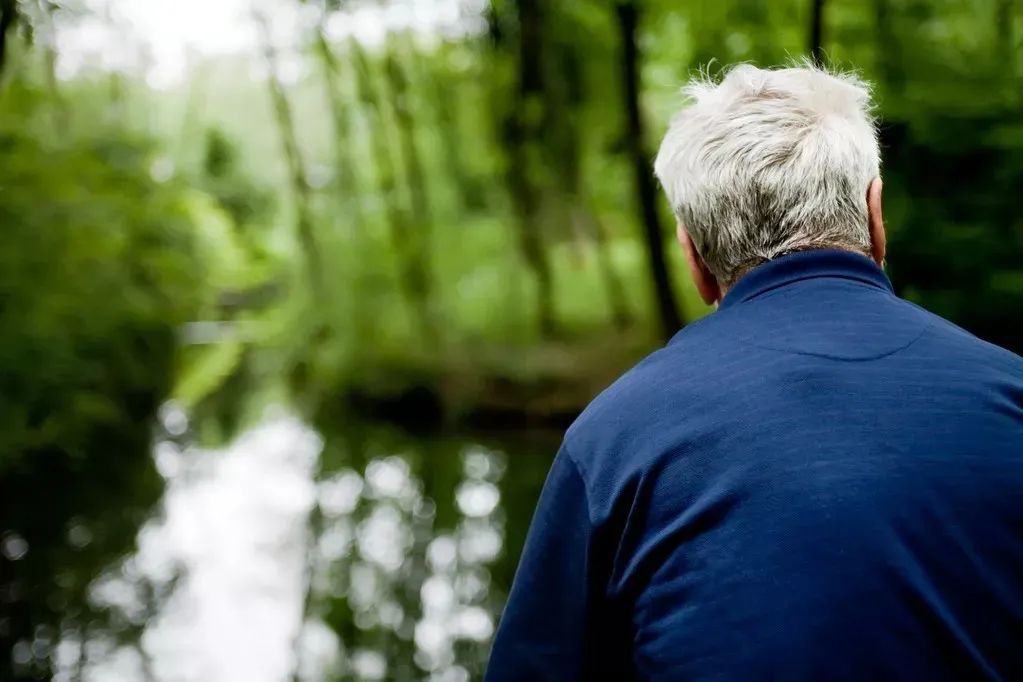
<point>297,295</point>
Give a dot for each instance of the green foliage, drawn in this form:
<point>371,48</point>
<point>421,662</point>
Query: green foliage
<point>234,190</point>
<point>97,272</point>
<point>459,190</point>
<point>464,100</point>
<point>957,244</point>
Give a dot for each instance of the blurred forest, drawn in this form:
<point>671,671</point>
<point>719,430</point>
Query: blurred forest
<point>454,231</point>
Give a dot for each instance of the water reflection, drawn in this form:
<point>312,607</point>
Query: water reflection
<point>454,594</point>
<point>268,562</point>
<point>218,575</point>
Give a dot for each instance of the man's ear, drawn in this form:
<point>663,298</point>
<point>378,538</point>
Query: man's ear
<point>875,222</point>
<point>706,283</point>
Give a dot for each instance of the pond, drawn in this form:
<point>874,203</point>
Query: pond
<point>289,554</point>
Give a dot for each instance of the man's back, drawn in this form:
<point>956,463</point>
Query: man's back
<point>818,481</point>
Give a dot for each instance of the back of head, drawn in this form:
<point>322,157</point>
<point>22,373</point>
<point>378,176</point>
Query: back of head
<point>766,162</point>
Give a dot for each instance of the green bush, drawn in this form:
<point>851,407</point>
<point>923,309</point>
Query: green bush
<point>97,273</point>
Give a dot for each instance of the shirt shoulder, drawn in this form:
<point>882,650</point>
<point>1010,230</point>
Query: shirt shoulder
<point>627,422</point>
<point>954,343</point>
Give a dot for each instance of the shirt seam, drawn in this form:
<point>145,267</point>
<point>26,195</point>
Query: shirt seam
<point>837,358</point>
<point>581,473</point>
<point>824,275</point>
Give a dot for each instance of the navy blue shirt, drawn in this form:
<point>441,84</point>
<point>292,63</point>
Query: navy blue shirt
<point>819,481</point>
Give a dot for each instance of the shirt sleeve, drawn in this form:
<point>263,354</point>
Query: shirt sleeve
<point>551,621</point>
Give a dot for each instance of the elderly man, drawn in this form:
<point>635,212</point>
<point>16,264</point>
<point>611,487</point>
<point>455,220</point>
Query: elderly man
<point>817,481</point>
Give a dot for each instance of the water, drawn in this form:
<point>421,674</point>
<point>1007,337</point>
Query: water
<point>369,555</point>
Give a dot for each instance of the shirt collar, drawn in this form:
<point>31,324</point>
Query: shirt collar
<point>806,265</point>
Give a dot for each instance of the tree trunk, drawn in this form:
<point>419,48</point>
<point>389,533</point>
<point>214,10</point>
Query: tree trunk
<point>566,97</point>
<point>422,217</point>
<point>527,211</point>
<point>621,316</point>
<point>347,186</point>
<point>646,190</point>
<point>522,132</point>
<point>442,95</point>
<point>343,157</point>
<point>889,51</point>
<point>412,261</point>
<point>1005,38</point>
<point>8,19</point>
<point>300,188</point>
<point>58,107</point>
<point>401,104</point>
<point>817,32</point>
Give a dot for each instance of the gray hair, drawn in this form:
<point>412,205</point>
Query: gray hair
<point>767,162</point>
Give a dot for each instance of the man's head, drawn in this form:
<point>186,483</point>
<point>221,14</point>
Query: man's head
<point>766,162</point>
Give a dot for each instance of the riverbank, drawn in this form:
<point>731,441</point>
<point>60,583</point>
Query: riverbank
<point>493,388</point>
